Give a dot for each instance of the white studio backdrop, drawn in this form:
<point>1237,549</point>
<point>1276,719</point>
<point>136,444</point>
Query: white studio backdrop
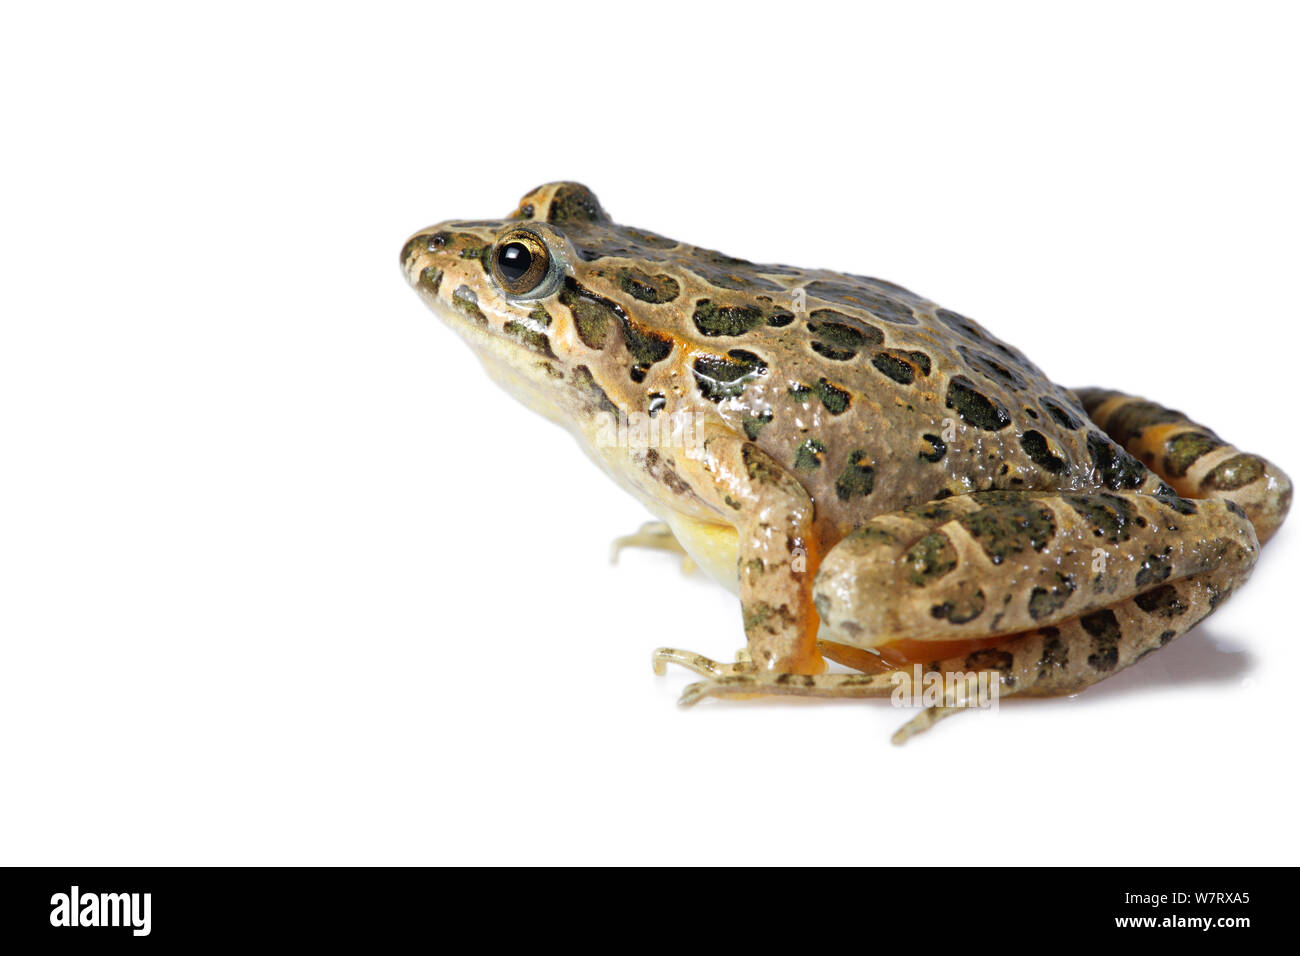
<point>285,579</point>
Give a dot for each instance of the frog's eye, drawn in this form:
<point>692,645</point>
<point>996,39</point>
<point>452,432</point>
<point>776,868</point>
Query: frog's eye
<point>520,262</point>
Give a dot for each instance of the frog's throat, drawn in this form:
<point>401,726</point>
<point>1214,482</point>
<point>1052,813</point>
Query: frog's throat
<point>527,388</point>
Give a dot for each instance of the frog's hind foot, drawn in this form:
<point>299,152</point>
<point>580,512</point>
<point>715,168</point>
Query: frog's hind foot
<point>923,721</point>
<point>1191,458</point>
<point>656,536</point>
<point>742,681</point>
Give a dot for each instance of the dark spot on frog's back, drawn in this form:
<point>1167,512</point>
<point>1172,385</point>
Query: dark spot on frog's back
<point>862,296</point>
<point>835,400</point>
<point>961,324</point>
<point>974,406</point>
<point>609,240</point>
<point>1058,412</point>
<point>645,346</point>
<point>1040,452</point>
<point>809,455</point>
<point>936,450</point>
<point>992,369</point>
<point>1005,529</point>
<point>592,315</point>
<point>725,376</point>
<point>858,477</point>
<point>713,320</point>
<point>738,276</point>
<point>1182,506</point>
<point>838,337</point>
<point>655,289</point>
<point>754,424</point>
<point>901,365</point>
<point>1109,516</point>
<point>1116,467</point>
<point>845,331</point>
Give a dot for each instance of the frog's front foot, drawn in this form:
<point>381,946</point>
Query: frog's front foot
<point>698,663</point>
<point>655,535</point>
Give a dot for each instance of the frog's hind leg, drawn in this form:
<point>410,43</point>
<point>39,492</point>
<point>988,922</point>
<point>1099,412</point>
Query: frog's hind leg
<point>1050,661</point>
<point>1052,592</point>
<point>1070,657</point>
<point>1191,458</point>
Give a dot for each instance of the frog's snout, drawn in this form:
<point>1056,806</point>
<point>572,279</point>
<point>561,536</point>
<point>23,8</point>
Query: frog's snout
<point>412,248</point>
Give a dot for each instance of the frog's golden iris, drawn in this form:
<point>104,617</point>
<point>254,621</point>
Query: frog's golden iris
<point>520,262</point>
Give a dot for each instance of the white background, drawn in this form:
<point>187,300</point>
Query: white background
<point>284,579</point>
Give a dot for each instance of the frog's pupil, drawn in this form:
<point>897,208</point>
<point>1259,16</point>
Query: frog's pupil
<point>514,261</point>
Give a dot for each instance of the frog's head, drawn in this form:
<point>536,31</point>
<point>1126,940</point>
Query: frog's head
<point>555,302</point>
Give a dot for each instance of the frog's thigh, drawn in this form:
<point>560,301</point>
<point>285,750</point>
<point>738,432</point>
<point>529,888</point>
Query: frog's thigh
<point>996,563</point>
<point>1061,590</point>
<point>1068,657</point>
<point>1191,458</point>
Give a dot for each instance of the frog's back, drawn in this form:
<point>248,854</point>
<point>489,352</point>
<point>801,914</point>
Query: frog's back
<point>874,396</point>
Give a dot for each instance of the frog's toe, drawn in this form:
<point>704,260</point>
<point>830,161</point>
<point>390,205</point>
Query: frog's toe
<point>656,536</point>
<point>698,663</point>
<point>926,719</point>
<point>729,685</point>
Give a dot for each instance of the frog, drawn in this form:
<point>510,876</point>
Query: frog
<point>885,484</point>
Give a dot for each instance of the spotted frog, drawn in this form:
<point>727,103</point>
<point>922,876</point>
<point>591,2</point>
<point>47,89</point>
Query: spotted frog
<point>883,482</point>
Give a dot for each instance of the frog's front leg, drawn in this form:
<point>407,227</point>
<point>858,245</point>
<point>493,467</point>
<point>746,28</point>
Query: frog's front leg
<point>778,553</point>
